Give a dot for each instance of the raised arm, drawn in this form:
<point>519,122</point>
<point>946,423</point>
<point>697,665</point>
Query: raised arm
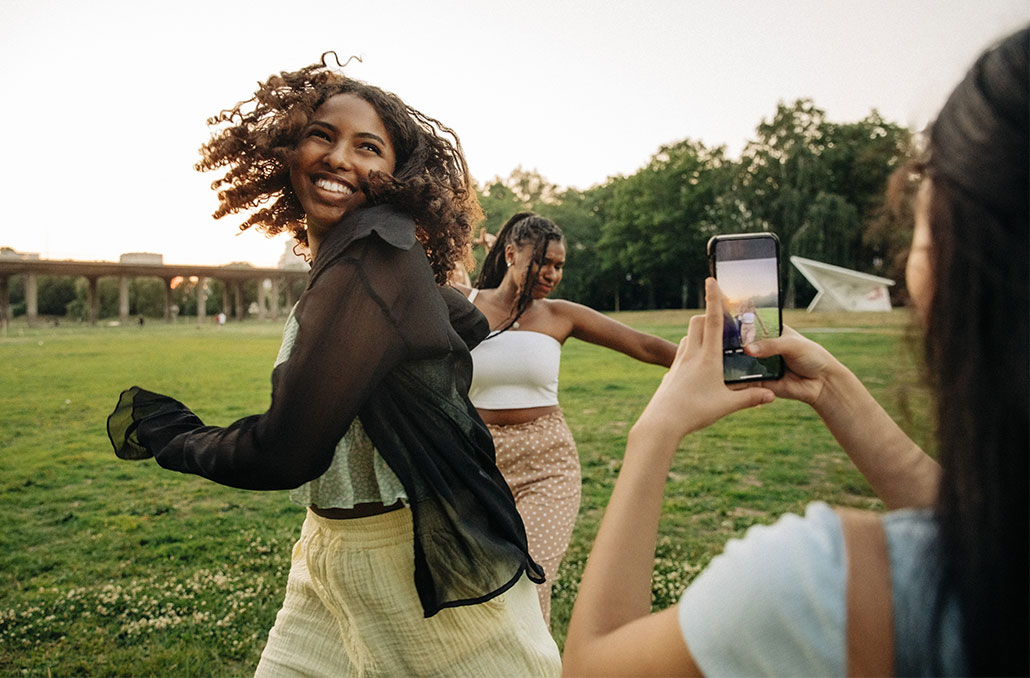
<point>897,469</point>
<point>596,328</point>
<point>612,631</point>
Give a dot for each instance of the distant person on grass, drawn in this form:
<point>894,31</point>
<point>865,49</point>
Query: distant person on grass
<point>937,586</point>
<point>411,534</point>
<point>747,316</point>
<point>515,378</point>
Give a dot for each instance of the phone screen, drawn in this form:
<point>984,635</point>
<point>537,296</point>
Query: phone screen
<point>748,271</point>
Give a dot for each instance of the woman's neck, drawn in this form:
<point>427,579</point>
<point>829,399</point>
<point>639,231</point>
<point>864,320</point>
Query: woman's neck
<point>508,294</point>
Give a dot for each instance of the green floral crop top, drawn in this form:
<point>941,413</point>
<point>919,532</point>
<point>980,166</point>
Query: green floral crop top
<point>358,474</point>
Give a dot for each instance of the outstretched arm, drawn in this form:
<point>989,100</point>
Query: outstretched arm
<point>612,631</point>
<point>897,469</point>
<point>596,328</point>
<point>348,340</point>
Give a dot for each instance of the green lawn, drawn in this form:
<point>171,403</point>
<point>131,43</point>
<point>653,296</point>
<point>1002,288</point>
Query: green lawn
<point>110,567</point>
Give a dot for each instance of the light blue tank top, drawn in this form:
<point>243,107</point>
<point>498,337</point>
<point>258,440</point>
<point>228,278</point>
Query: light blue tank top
<point>773,603</point>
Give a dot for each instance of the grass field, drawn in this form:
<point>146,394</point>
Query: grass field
<point>110,567</point>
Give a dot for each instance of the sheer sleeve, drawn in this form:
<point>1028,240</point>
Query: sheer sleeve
<point>365,311</point>
<point>466,319</point>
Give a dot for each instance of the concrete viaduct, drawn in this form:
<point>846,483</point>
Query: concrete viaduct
<point>232,277</point>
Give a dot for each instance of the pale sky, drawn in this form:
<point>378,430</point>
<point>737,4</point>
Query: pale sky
<point>743,278</point>
<point>105,101</point>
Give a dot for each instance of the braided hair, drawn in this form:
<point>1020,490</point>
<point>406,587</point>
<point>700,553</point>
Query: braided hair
<point>524,228</point>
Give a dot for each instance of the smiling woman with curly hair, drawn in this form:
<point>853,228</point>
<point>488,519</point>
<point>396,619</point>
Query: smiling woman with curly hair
<point>411,533</point>
<point>259,136</point>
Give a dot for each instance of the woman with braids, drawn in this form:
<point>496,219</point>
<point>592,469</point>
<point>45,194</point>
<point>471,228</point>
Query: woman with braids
<point>515,379</point>
<point>411,534</point>
<point>936,586</point>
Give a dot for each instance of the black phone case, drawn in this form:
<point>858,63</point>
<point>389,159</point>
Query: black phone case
<point>738,367</point>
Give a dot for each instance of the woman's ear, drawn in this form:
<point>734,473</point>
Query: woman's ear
<point>509,254</point>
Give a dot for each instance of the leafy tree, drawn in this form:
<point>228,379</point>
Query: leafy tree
<point>498,202</point>
<point>147,297</point>
<point>889,235</point>
<point>107,295</point>
<point>781,174</point>
<point>660,218</point>
<point>54,293</point>
<point>830,230</point>
<point>521,190</point>
<point>579,215</point>
<point>861,156</point>
<point>819,185</point>
<point>639,241</point>
<point>215,288</point>
<point>16,295</point>
<point>575,212</point>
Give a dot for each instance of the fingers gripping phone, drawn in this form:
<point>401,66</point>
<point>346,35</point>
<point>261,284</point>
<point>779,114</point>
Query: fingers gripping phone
<point>747,266</point>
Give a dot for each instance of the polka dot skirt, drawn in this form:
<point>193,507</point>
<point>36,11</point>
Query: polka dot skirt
<point>540,462</point>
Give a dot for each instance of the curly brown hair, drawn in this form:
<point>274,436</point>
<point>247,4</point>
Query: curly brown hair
<point>257,138</point>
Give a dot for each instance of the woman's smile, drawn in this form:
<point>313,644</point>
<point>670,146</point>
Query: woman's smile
<point>334,186</point>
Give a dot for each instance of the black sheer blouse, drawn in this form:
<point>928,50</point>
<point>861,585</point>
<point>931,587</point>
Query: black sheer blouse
<point>380,340</point>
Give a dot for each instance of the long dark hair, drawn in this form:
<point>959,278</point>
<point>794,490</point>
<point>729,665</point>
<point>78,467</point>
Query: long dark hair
<point>977,338</point>
<point>524,228</point>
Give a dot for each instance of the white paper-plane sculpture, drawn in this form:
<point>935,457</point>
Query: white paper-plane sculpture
<point>842,289</point>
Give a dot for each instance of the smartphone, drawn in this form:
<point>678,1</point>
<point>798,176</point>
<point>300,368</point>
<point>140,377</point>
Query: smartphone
<point>747,266</point>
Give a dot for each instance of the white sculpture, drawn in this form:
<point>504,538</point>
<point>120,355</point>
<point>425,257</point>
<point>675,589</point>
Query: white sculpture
<point>842,289</point>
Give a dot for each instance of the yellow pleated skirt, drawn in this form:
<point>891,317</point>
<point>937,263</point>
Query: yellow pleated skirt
<point>351,609</point>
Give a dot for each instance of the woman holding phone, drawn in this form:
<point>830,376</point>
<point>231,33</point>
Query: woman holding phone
<point>938,585</point>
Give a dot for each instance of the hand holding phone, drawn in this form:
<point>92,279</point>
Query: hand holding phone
<point>747,266</point>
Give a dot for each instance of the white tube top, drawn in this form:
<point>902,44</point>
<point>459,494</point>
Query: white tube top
<point>515,369</point>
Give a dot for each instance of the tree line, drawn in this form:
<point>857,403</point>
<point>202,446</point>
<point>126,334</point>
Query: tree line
<point>638,241</point>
